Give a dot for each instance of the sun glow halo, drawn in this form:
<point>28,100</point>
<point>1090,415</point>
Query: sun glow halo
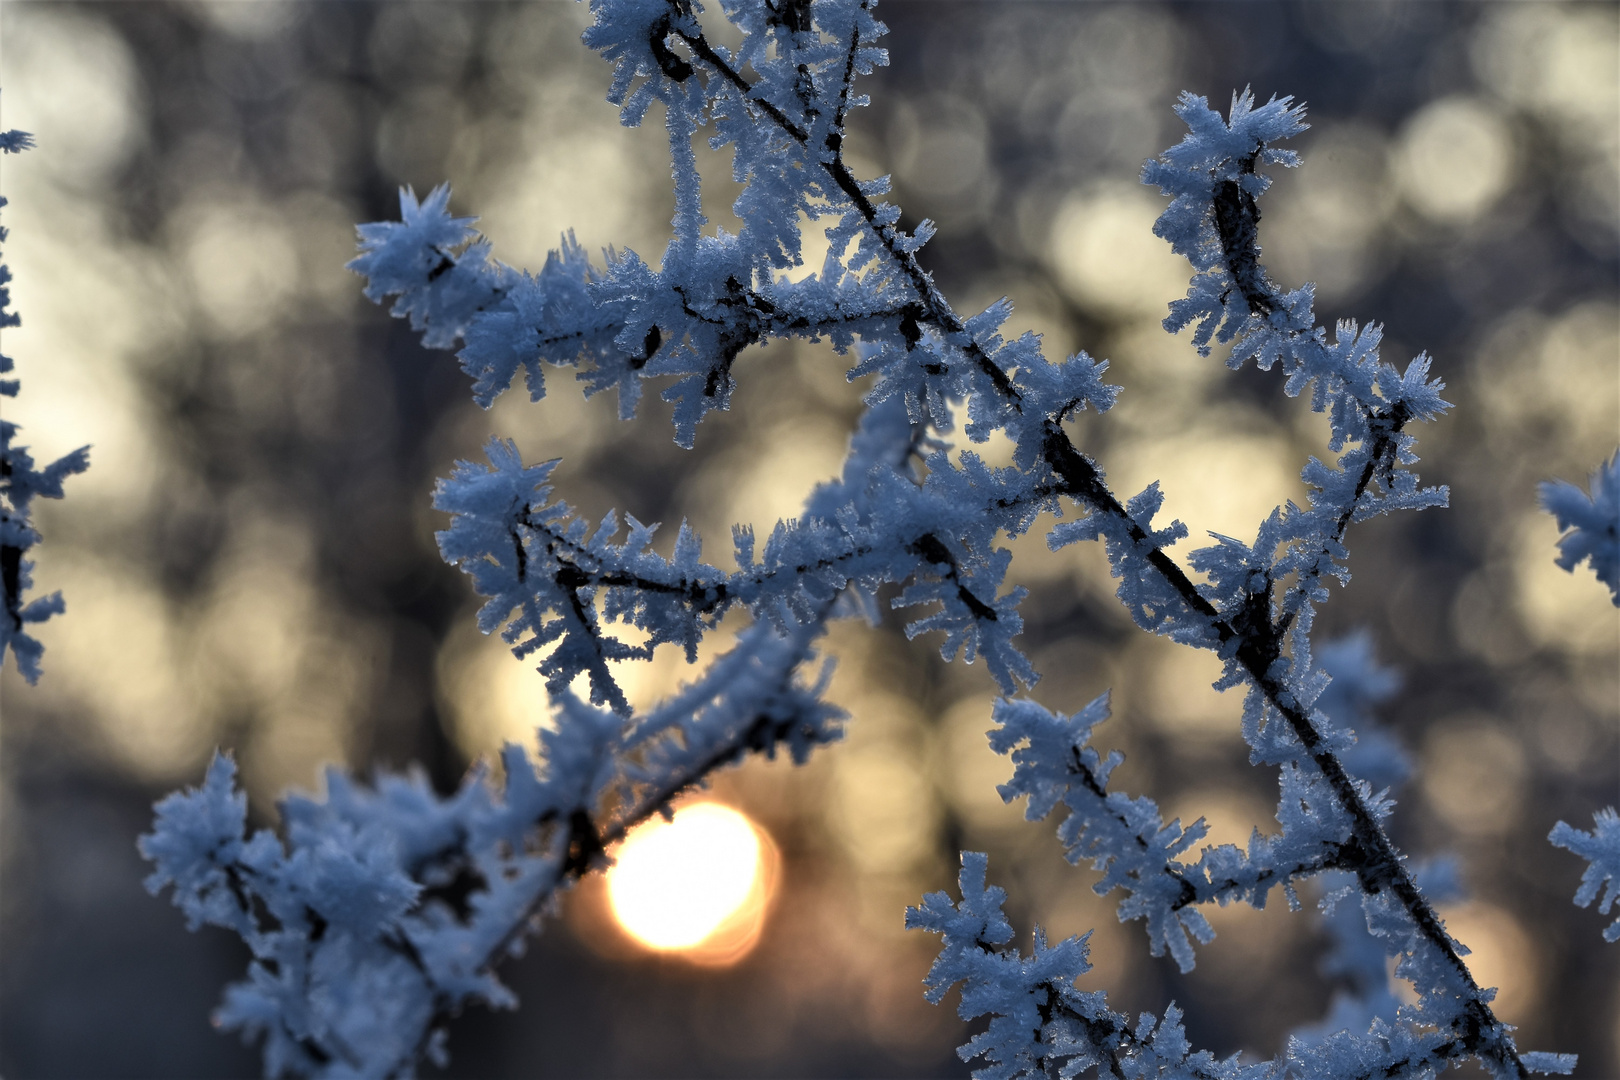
<point>696,885</point>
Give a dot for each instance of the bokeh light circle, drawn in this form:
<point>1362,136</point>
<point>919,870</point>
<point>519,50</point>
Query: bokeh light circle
<point>696,886</point>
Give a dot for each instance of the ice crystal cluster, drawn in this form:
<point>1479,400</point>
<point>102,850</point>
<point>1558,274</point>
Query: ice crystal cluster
<point>20,484</point>
<point>382,911</point>
<point>1591,521</point>
<point>1592,535</point>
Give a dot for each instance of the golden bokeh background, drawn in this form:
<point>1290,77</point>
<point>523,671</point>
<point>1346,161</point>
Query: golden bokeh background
<point>250,564</point>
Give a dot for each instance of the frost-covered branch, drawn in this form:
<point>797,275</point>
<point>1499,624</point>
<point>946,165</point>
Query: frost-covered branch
<point>20,484</point>
<point>874,526</point>
<point>1127,840</point>
<point>1040,1024</point>
<point>1259,630</point>
<point>1592,524</point>
<point>388,910</point>
<point>1212,175</point>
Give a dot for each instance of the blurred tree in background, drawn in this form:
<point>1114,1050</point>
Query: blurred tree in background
<point>251,563</point>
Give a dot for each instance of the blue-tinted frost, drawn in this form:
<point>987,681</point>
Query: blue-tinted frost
<point>20,483</point>
<point>381,911</point>
<point>1592,521</point>
<point>1601,849</point>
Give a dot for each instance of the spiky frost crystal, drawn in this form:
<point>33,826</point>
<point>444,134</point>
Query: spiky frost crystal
<point>1591,521</point>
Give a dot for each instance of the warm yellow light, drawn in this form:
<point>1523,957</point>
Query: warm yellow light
<point>695,886</point>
